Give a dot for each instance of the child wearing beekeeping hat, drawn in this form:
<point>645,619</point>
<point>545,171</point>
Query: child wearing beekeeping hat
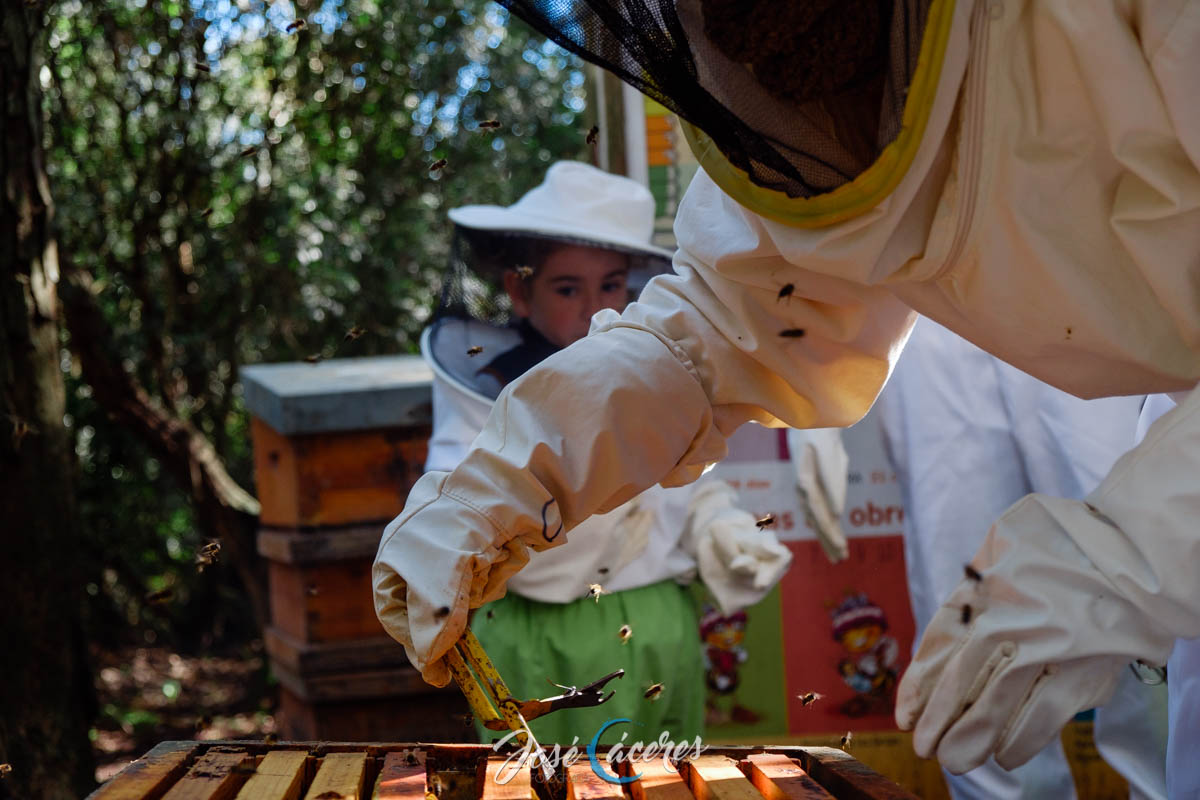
<point>524,283</point>
<point>1024,172</point>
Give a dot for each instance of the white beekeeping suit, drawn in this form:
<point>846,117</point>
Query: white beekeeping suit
<point>968,436</point>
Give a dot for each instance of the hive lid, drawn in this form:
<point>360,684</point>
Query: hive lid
<point>340,394</point>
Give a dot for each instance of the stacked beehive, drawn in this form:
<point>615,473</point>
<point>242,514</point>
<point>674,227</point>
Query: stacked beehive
<point>337,446</point>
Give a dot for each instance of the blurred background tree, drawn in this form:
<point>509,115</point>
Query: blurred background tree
<point>233,188</point>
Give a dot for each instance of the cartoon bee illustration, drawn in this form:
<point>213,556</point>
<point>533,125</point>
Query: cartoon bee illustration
<point>295,25</point>
<point>437,165</point>
<point>765,521</point>
<point>474,351</point>
<point>625,633</point>
<point>595,590</point>
<point>593,134</point>
<point>654,692</point>
<point>786,291</point>
<point>792,333</point>
<point>808,698</point>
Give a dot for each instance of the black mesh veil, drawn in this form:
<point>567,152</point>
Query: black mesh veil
<point>802,95</point>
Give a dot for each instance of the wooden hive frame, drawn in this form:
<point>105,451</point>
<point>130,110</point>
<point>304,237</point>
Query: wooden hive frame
<point>232,770</point>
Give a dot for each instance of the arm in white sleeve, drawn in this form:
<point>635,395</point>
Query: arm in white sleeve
<point>1072,591</point>
<point>648,397</point>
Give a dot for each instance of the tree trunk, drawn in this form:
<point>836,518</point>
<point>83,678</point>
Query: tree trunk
<point>45,686</point>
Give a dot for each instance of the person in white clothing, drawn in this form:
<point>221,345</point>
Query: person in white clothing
<point>568,248</point>
<point>968,436</point>
<point>1026,174</point>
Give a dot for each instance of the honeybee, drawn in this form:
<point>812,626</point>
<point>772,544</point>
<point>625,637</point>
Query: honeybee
<point>437,165</point>
<point>489,124</point>
<point>603,570</point>
<point>972,573</point>
<point>786,291</point>
<point>159,597</point>
<point>966,615</point>
<point>654,692</point>
<point>271,738</point>
<point>203,722</point>
<point>846,740</point>
<point>313,359</point>
<point>244,769</point>
<point>625,633</point>
<point>524,272</point>
<point>593,134</point>
<point>311,590</point>
<point>792,333</point>
<point>595,590</point>
<point>249,151</point>
<point>206,556</point>
<point>491,613</point>
<point>20,429</point>
<point>202,67</point>
<point>442,612</point>
<point>474,350</point>
<point>808,698</point>
<point>354,333</point>
<point>5,770</point>
<point>295,25</point>
<point>765,521</point>
<point>206,213</point>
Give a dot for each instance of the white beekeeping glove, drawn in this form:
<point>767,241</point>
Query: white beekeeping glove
<point>738,563</point>
<point>821,465</point>
<point>1070,593</point>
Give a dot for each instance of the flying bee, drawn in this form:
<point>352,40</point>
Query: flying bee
<point>5,770</point>
<point>203,722</point>
<point>437,165</point>
<point>654,692</point>
<point>966,615</point>
<point>311,590</point>
<point>442,612</point>
<point>786,291</point>
<point>313,359</point>
<point>972,573</point>
<point>210,550</point>
<point>808,698</point>
<point>593,134</point>
<point>295,25</point>
<point>202,67</point>
<point>765,521</point>
<point>625,633</point>
<point>206,213</point>
<point>846,740</point>
<point>792,333</point>
<point>491,613</point>
<point>474,350</point>
<point>249,151</point>
<point>271,738</point>
<point>524,272</point>
<point>595,590</point>
<point>20,429</point>
<point>489,124</point>
<point>603,570</point>
<point>159,597</point>
<point>354,333</point>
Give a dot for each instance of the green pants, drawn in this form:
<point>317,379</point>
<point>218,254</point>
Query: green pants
<point>573,644</point>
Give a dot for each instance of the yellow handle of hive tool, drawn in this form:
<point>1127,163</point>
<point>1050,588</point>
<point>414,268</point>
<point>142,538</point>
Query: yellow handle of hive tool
<point>468,654</point>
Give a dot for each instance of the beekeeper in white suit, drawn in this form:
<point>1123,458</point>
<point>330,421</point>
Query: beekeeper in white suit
<point>1026,174</point>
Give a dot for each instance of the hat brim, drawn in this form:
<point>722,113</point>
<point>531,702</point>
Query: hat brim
<point>501,219</point>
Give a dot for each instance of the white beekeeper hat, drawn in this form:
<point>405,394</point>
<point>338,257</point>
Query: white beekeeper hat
<point>575,202</point>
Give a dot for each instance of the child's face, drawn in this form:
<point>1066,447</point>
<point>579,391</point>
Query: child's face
<point>573,283</point>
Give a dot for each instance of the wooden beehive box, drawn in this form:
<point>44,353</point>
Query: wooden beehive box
<point>337,446</point>
<point>340,771</point>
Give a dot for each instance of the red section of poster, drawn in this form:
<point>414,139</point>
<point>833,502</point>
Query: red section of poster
<point>847,635</point>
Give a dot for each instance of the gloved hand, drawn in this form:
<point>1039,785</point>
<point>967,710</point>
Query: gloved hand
<point>821,465</point>
<point>738,563</point>
<point>1071,592</point>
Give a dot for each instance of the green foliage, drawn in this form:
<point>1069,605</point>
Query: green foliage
<point>256,210</point>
